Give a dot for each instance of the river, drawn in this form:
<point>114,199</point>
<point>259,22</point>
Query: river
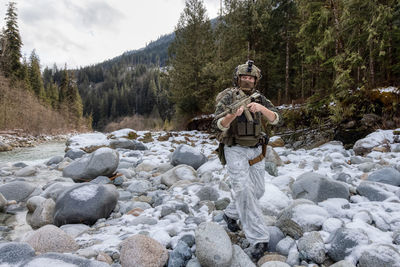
<point>33,155</point>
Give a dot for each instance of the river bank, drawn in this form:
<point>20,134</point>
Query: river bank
<point>12,139</point>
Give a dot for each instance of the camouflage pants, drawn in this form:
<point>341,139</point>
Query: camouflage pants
<point>248,186</point>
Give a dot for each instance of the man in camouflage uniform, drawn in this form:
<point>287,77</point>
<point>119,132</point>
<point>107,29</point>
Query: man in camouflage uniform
<point>242,145</point>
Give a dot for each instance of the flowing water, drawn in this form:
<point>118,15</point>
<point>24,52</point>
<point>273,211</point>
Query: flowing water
<point>37,154</point>
<point>13,226</point>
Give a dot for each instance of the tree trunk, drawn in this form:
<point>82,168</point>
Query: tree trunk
<point>371,66</point>
<point>287,69</point>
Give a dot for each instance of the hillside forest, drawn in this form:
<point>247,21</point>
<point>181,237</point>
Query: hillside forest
<point>328,55</point>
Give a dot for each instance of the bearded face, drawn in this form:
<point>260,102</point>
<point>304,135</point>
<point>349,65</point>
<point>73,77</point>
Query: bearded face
<point>247,83</point>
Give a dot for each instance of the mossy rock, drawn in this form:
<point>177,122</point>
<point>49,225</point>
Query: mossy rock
<point>132,135</point>
<point>396,132</point>
<point>147,138</point>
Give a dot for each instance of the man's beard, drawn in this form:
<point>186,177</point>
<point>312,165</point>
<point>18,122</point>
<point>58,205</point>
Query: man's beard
<point>246,86</point>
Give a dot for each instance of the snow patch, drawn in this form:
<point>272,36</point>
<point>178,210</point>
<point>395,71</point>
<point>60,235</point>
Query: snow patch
<point>84,193</point>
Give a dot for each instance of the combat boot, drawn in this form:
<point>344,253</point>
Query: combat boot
<point>258,251</point>
<point>231,223</point>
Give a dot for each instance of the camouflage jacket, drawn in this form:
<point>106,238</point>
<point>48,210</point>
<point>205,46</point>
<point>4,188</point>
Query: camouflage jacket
<point>225,98</point>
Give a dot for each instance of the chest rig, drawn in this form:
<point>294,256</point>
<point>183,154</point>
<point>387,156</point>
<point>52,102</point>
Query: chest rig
<point>246,129</point>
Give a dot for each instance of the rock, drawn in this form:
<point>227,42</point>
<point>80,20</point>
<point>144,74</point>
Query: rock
<point>332,224</point>
<point>19,165</point>
<point>146,166</point>
<point>222,203</point>
<point>180,255</point>
<point>103,162</point>
<point>74,154</point>
<point>208,193</point>
<point>18,191</point>
<point>276,141</point>
<point>188,155</point>
<point>74,230</point>
<point>294,256</point>
<point>271,257</point>
<point>275,235</point>
<point>386,175</point>
<point>125,207</point>
<point>380,255</point>
<point>273,200</point>
<point>104,257</point>
<point>178,173</point>
<point>127,144</point>
<point>193,263</point>
<point>34,202</point>
<point>54,160</point>
<point>139,187</point>
<point>344,240</point>
<point>366,166</point>
<point>26,171</point>
<point>275,264</point>
<point>396,237</point>
<point>144,220</point>
<point>50,238</point>
<point>13,253</point>
<point>213,246</point>
<point>3,202</point>
<point>284,245</point>
<point>271,168</point>
<point>101,180</point>
<point>43,214</point>
<point>142,251</point>
<point>188,239</point>
<point>374,191</point>
<point>272,156</point>
<point>85,203</point>
<point>317,188</point>
<point>293,220</point>
<point>4,147</point>
<point>311,247</point>
<point>58,259</point>
<point>240,258</point>
<point>56,189</point>
<point>343,263</point>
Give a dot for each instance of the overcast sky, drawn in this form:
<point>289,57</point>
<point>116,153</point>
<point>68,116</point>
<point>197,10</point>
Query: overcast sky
<point>84,32</point>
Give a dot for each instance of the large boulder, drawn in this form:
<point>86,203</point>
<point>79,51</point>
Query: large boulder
<point>380,255</point>
<point>50,238</point>
<point>142,251</point>
<point>317,188</point>
<point>213,246</point>
<point>300,217</point>
<point>58,259</point>
<point>127,144</point>
<point>375,191</point>
<point>272,156</point>
<point>188,155</point>
<point>102,162</point>
<point>178,173</point>
<point>26,171</point>
<point>85,203</point>
<point>311,247</point>
<point>375,139</point>
<point>18,191</point>
<point>386,175</point>
<point>344,240</point>
<point>13,253</point>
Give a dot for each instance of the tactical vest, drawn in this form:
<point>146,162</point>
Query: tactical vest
<point>243,132</point>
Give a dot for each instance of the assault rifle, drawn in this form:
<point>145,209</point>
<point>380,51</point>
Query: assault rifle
<point>240,99</point>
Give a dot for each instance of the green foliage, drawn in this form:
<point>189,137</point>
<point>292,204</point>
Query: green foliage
<point>10,45</point>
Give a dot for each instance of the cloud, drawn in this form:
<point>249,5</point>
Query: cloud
<point>84,32</point>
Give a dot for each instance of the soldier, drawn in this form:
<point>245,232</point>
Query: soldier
<point>242,148</point>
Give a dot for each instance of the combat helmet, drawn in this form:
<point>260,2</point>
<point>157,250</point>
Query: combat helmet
<point>246,69</point>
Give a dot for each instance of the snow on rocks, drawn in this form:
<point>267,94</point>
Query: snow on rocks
<point>85,204</point>
<point>188,155</point>
<point>373,140</point>
<point>103,161</point>
<point>337,214</point>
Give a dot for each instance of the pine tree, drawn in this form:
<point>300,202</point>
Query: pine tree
<point>191,53</point>
<point>11,45</point>
<point>35,77</point>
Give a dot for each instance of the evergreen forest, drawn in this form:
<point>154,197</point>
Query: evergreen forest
<point>310,52</point>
